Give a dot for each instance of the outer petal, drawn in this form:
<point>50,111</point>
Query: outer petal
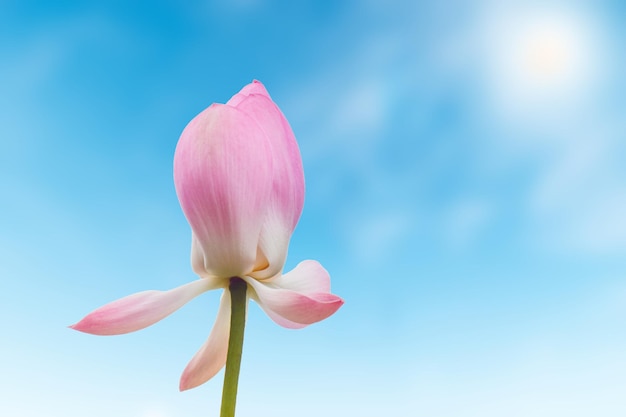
<point>223,177</point>
<point>308,277</point>
<point>142,309</point>
<point>287,195</point>
<point>298,298</point>
<point>212,355</point>
<point>255,87</point>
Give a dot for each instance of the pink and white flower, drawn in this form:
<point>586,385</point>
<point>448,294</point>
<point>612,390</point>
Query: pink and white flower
<point>239,179</point>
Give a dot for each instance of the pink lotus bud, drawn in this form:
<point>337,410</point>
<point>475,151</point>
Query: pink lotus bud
<point>239,179</point>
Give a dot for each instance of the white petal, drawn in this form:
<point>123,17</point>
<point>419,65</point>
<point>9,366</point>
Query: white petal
<point>142,309</point>
<point>298,298</point>
<point>212,355</point>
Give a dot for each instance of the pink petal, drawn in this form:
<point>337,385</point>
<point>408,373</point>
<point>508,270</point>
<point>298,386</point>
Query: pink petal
<point>288,184</point>
<point>212,355</point>
<point>299,298</point>
<point>287,194</point>
<point>142,309</point>
<point>255,87</point>
<point>280,320</point>
<point>223,176</point>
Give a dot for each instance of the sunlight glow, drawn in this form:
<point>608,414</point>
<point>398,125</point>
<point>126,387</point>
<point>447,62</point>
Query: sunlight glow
<point>542,59</point>
<point>549,54</point>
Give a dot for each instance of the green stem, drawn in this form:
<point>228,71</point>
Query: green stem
<point>237,289</point>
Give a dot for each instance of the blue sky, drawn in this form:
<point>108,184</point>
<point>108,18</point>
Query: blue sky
<point>466,189</point>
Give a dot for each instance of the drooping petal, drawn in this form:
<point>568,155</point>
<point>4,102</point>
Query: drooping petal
<point>280,320</point>
<point>142,309</point>
<point>212,355</point>
<point>298,298</point>
<point>287,194</point>
<point>307,277</point>
<point>223,176</point>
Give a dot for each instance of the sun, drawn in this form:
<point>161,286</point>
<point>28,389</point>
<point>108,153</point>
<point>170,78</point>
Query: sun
<point>549,57</point>
<point>549,52</point>
<point>541,59</point>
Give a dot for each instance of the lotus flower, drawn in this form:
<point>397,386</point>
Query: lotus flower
<point>239,179</point>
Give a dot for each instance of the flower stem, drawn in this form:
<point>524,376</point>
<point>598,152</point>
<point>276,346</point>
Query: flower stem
<point>237,290</point>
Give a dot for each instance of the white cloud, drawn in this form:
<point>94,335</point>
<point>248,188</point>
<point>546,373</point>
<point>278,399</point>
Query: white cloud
<point>547,385</point>
<point>532,82</point>
<point>154,411</point>
<point>463,222</point>
<point>373,238</point>
<point>573,173</point>
<point>361,110</point>
<point>596,228</point>
<point>578,200</point>
<point>337,110</point>
<point>569,364</point>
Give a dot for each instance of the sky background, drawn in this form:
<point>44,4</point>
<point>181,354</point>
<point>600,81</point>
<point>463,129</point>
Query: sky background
<point>466,189</point>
